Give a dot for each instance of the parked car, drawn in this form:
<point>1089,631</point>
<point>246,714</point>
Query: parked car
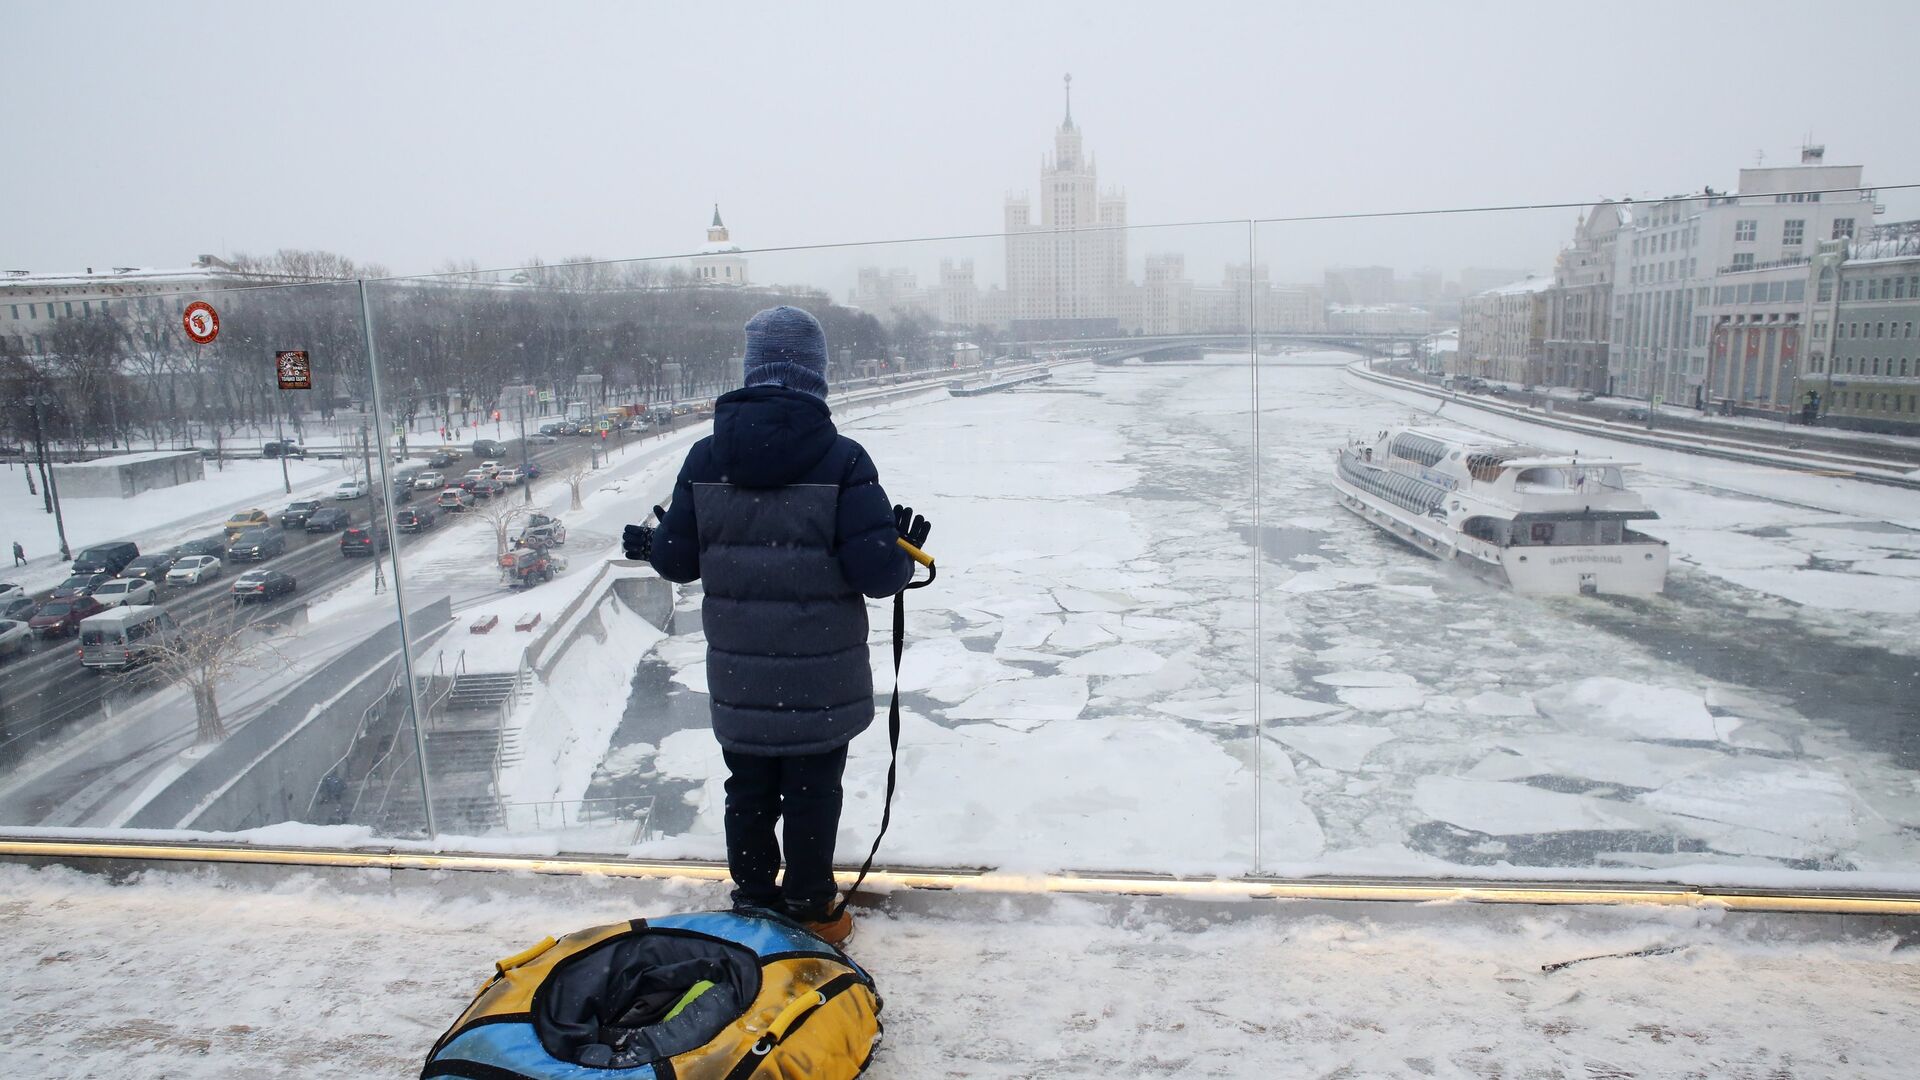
<point>510,475</point>
<point>10,591</point>
<point>244,520</point>
<point>18,609</point>
<point>550,430</point>
<point>430,481</point>
<point>1635,414</point>
<point>125,636</point>
<point>107,559</point>
<point>215,546</point>
<point>129,591</point>
<point>16,637</point>
<point>487,489</point>
<point>415,518</point>
<point>59,618</point>
<point>298,513</point>
<point>79,585</point>
<point>1499,389</point>
<point>274,448</point>
<point>1589,396</point>
<point>328,519</point>
<point>350,489</point>
<point>363,541</point>
<point>261,585</point>
<point>454,498</point>
<point>194,569</point>
<point>255,545</point>
<point>150,567</point>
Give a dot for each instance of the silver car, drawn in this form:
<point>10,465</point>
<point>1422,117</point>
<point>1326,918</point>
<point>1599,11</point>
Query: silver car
<point>193,570</point>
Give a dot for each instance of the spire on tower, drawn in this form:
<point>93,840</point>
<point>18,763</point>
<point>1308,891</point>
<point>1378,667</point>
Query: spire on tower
<point>717,223</point>
<point>1069,120</point>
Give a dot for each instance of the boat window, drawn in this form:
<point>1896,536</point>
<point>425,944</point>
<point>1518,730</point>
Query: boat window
<point>1541,533</point>
<point>1491,530</point>
<point>1418,448</point>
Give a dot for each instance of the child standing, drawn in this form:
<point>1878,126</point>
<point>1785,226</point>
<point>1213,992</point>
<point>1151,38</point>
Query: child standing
<point>784,520</point>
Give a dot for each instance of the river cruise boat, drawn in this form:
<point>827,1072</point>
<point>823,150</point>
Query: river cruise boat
<point>1540,522</point>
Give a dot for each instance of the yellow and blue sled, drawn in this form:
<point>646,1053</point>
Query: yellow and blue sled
<point>706,996</point>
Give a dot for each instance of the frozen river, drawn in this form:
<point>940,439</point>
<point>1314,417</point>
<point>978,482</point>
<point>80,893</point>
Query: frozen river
<point>1083,681</point>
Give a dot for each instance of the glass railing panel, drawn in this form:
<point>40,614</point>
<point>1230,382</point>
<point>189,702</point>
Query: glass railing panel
<point>1590,566</point>
<point>1075,684</point>
<point>198,659</point>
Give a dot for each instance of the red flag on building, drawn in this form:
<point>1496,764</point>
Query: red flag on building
<point>1789,343</point>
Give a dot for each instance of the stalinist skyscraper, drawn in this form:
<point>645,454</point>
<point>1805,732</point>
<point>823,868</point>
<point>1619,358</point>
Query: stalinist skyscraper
<point>1071,264</point>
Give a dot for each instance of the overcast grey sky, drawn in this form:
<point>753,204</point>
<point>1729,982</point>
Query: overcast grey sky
<point>414,133</point>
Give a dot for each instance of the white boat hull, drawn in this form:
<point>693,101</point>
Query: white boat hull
<point>1629,569</point>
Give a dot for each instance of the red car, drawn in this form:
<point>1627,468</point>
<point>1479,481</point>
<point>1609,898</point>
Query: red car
<point>60,618</point>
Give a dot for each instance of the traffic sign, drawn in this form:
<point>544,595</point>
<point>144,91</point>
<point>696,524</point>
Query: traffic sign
<point>295,373</point>
<point>546,395</point>
<point>201,321</point>
<point>605,426</point>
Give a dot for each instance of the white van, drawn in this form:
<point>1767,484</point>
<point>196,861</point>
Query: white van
<point>124,636</point>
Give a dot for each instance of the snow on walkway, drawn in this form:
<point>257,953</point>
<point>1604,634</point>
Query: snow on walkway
<point>191,977</point>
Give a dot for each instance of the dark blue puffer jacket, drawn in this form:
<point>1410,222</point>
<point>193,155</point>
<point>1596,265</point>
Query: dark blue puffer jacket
<point>785,521</point>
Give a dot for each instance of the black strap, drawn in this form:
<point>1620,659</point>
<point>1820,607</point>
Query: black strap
<point>893,749</point>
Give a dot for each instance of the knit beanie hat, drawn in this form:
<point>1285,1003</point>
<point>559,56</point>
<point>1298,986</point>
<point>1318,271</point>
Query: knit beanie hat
<point>786,347</point>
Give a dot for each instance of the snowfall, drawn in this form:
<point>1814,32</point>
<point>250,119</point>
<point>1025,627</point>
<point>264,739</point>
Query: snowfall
<point>1136,658</point>
<point>1081,685</point>
<point>291,974</point>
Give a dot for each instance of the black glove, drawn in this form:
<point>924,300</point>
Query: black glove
<point>911,526</point>
<point>637,542</point>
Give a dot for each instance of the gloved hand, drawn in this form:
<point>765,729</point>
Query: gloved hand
<point>637,540</point>
<point>912,527</point>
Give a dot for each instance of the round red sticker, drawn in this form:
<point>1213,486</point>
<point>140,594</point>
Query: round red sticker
<point>201,321</point>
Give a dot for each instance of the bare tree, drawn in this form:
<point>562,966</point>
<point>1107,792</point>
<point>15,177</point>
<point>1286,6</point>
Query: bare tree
<point>205,654</point>
<point>499,514</point>
<point>576,475</point>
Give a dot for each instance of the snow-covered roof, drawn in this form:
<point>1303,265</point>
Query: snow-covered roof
<point>115,275</point>
<point>118,460</point>
<point>1531,284</point>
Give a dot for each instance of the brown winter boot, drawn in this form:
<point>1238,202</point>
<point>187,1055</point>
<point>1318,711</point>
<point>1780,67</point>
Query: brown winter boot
<point>835,932</point>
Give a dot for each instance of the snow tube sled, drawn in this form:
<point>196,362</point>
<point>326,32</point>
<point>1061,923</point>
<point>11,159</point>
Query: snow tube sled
<point>707,996</point>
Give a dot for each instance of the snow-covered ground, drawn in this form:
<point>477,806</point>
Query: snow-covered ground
<point>1082,681</point>
<point>193,976</point>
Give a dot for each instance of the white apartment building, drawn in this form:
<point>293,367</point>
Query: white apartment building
<point>149,303</point>
<point>1070,262</point>
<point>1503,332</point>
<point>1672,256</point>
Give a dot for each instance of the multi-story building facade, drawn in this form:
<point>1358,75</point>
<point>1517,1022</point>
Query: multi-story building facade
<point>147,302</point>
<point>1359,286</point>
<point>1069,264</point>
<point>1503,332</point>
<point>1670,255</point>
<point>957,301</point>
<point>1863,351</point>
<point>1579,302</point>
